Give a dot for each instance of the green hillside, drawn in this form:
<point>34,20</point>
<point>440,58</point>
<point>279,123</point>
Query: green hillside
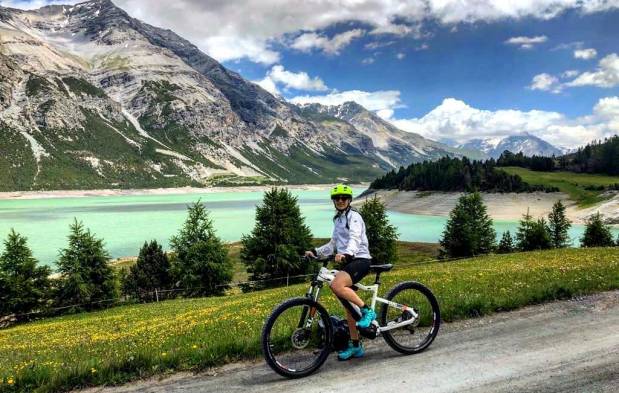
<point>573,184</point>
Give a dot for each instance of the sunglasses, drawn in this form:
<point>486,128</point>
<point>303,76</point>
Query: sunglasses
<point>340,198</point>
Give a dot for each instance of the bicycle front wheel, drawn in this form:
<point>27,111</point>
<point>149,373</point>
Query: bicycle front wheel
<point>419,304</point>
<point>296,338</point>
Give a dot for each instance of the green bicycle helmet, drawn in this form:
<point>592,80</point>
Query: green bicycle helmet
<point>341,189</point>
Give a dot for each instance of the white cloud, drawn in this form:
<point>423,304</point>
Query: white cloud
<point>454,119</point>
<point>229,30</point>
<point>400,56</point>
<point>378,101</point>
<point>397,30</point>
<point>585,54</point>
<point>229,48</point>
<point>377,44</point>
<point>290,80</point>
<point>545,82</point>
<point>269,85</point>
<point>385,113</point>
<point>309,41</point>
<point>368,60</point>
<point>34,4</point>
<point>527,42</point>
<point>423,46</point>
<point>606,75</point>
<point>569,74</point>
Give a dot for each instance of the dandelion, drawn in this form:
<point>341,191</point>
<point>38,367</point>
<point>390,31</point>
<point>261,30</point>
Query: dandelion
<point>194,346</point>
<point>164,354</point>
<point>10,381</point>
<point>93,370</point>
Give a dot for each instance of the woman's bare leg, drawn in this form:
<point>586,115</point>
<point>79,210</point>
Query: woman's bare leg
<point>341,287</point>
<point>352,326</point>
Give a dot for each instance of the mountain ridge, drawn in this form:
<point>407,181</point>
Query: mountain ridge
<point>92,75</point>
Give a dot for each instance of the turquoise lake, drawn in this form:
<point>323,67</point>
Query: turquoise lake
<point>125,222</point>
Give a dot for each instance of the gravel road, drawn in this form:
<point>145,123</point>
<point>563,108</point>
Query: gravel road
<point>566,346</point>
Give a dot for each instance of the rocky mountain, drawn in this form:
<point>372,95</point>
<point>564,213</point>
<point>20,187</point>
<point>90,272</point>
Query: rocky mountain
<point>91,97</point>
<point>389,143</point>
<point>526,143</point>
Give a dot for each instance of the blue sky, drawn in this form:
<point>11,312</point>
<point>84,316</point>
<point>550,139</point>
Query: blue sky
<point>449,69</point>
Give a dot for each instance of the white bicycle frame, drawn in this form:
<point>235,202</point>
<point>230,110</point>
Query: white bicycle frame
<point>327,275</point>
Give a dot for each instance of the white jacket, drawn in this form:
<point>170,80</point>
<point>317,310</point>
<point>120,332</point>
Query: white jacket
<point>352,240</point>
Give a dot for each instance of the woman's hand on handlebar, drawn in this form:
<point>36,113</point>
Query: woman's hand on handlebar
<point>310,254</point>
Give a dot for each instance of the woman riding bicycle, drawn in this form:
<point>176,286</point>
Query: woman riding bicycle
<point>349,243</point>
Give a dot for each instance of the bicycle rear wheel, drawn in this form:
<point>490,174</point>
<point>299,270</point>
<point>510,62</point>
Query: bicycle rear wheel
<point>418,335</point>
<point>296,338</point>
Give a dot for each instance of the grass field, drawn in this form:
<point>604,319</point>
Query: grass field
<point>571,183</point>
<point>129,342</point>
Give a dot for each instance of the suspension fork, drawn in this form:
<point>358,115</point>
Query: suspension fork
<point>312,293</point>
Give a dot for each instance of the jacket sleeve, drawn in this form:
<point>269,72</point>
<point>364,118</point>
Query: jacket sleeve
<point>355,231</point>
<point>327,249</point>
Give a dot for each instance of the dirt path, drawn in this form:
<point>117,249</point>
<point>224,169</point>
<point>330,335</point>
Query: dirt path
<point>567,346</point>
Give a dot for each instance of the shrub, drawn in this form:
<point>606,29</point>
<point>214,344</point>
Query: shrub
<point>506,245</point>
<point>533,235</point>
<point>597,234</point>
<point>150,272</point>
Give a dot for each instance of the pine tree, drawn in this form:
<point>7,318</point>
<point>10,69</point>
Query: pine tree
<point>469,229</point>
<point>533,235</point>
<point>24,286</point>
<point>382,236</point>
<point>279,237</point>
<point>558,225</point>
<point>86,279</point>
<point>597,234</point>
<point>150,272</point>
<point>506,245</point>
<point>201,263</point>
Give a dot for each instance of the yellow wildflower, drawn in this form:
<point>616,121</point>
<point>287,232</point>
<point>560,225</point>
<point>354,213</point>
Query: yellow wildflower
<point>194,346</point>
<point>10,381</point>
<point>93,370</point>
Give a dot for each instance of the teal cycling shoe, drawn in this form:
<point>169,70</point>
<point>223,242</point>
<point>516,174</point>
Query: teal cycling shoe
<point>367,316</point>
<point>351,352</point>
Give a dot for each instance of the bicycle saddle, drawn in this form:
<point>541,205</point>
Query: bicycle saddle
<point>381,268</point>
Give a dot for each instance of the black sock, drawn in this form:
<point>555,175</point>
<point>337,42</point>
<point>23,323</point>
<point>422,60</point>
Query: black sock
<point>355,343</point>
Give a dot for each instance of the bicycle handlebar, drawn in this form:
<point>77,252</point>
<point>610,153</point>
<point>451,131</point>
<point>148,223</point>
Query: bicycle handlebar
<point>325,260</point>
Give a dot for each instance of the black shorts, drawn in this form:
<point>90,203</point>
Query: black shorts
<point>357,269</point>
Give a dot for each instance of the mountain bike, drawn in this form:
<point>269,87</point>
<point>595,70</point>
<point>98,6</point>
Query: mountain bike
<point>299,334</point>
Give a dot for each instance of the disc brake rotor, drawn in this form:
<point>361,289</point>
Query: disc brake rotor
<point>300,338</point>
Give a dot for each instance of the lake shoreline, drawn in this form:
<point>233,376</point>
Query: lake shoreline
<point>505,206</point>
<point>20,195</point>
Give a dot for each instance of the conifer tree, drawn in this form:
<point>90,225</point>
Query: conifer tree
<point>382,236</point>
<point>86,279</point>
<point>150,272</point>
<point>469,229</point>
<point>279,237</point>
<point>506,245</point>
<point>201,264</point>
<point>597,234</point>
<point>533,235</point>
<point>558,225</point>
<point>24,286</point>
